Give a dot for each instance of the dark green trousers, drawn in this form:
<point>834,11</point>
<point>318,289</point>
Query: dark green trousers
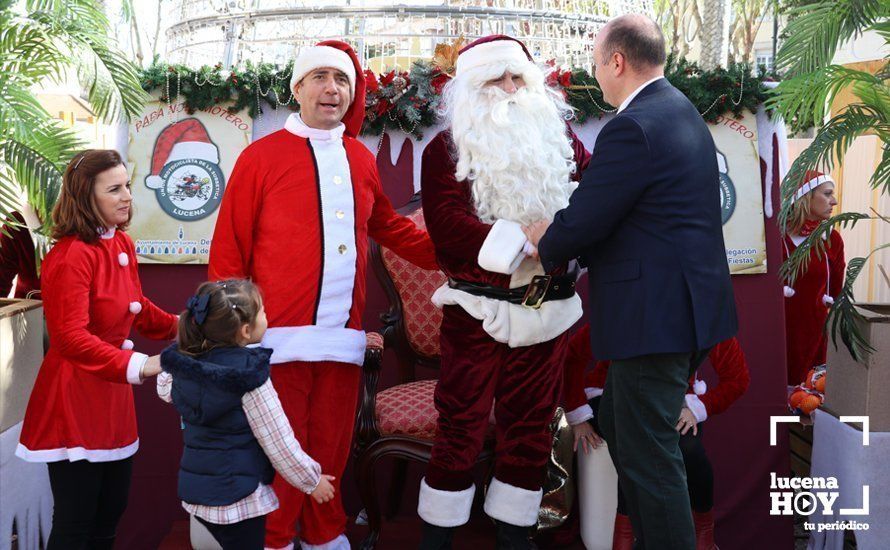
<point>638,417</point>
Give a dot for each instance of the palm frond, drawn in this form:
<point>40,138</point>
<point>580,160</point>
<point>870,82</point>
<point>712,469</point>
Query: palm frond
<point>881,177</point>
<point>38,175</point>
<point>8,201</point>
<point>19,111</point>
<point>799,260</point>
<point>809,96</point>
<point>831,143</point>
<point>844,319</point>
<point>817,29</point>
<point>111,80</point>
<point>28,52</point>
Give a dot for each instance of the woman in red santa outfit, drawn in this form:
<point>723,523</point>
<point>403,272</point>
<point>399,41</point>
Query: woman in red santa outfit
<point>810,296</point>
<point>81,419</point>
<point>295,218</point>
<point>583,391</point>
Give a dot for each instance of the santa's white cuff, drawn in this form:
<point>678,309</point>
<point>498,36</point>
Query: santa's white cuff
<point>134,367</point>
<point>511,504</point>
<point>444,508</point>
<point>288,547</point>
<point>697,407</point>
<point>502,251</point>
<point>592,392</point>
<point>579,415</point>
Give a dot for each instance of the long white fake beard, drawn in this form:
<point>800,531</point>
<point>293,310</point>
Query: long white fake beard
<point>515,151</point>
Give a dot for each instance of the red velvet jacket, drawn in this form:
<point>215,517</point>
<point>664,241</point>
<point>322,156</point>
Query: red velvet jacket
<point>806,311</point>
<point>81,406</point>
<point>275,226</point>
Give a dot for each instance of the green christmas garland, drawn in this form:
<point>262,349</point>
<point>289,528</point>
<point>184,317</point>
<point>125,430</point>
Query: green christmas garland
<point>408,100</point>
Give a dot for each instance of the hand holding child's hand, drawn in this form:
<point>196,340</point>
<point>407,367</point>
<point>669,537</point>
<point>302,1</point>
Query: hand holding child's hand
<point>325,491</point>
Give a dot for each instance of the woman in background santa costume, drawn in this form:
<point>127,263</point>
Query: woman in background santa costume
<point>81,419</point>
<point>810,296</point>
<point>506,160</point>
<point>582,394</point>
<point>295,218</point>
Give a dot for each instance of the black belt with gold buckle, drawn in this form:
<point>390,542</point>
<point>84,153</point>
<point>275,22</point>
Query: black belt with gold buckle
<point>542,288</point>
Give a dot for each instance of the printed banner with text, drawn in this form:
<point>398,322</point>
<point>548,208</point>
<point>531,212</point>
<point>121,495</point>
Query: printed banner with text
<point>179,166</point>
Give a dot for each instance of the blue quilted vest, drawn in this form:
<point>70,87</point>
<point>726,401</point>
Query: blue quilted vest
<point>222,462</point>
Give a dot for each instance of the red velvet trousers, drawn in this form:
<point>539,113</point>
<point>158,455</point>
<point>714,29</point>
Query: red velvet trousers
<point>524,384</point>
<point>319,399</point>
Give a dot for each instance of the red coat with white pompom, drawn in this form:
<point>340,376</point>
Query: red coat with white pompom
<point>726,357</point>
<point>82,403</point>
<point>806,309</point>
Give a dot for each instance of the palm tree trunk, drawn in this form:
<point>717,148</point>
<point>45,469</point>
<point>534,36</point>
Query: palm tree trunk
<point>715,34</point>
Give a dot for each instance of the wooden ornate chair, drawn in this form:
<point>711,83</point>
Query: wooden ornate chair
<point>400,422</point>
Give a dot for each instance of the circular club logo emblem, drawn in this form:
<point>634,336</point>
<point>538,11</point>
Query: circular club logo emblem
<point>192,189</point>
<point>727,197</point>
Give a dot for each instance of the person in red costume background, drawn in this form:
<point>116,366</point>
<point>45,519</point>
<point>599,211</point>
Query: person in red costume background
<point>582,394</point>
<point>81,419</point>
<point>811,295</point>
<point>17,258</point>
<point>506,159</point>
<point>295,218</point>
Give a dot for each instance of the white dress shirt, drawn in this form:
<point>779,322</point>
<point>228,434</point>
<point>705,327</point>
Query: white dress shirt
<point>633,94</point>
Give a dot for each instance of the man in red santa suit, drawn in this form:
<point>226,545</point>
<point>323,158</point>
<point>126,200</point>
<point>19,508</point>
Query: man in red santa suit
<point>507,158</point>
<point>295,218</point>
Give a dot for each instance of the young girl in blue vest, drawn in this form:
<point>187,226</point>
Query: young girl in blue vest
<point>236,433</point>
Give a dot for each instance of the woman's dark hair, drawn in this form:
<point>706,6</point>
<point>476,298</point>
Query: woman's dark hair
<point>76,212</point>
<point>216,313</point>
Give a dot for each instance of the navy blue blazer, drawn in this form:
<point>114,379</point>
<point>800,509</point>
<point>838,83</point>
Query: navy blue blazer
<point>645,219</point>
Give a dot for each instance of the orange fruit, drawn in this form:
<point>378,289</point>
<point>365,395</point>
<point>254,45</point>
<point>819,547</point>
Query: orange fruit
<point>796,398</point>
<point>819,384</point>
<point>810,403</point>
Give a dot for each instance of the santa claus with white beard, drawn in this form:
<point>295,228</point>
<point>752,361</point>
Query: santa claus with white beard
<point>507,159</point>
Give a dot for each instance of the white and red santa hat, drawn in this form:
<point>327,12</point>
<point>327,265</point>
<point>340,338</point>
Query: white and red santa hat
<point>186,139</point>
<point>336,55</point>
<point>495,48</point>
<point>811,180</point>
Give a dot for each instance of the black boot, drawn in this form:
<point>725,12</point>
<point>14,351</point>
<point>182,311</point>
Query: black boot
<point>435,537</point>
<point>513,537</point>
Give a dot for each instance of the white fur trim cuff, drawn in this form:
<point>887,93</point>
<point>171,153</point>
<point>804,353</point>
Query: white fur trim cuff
<point>502,251</point>
<point>697,407</point>
<point>444,508</point>
<point>505,51</point>
<point>318,57</point>
<point>340,542</point>
<point>134,367</point>
<point>579,415</point>
<point>288,547</point>
<point>312,343</point>
<point>511,504</point>
<point>76,453</point>
<point>592,392</point>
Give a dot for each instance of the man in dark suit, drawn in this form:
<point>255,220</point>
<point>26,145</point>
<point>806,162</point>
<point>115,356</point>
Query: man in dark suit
<point>645,219</point>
